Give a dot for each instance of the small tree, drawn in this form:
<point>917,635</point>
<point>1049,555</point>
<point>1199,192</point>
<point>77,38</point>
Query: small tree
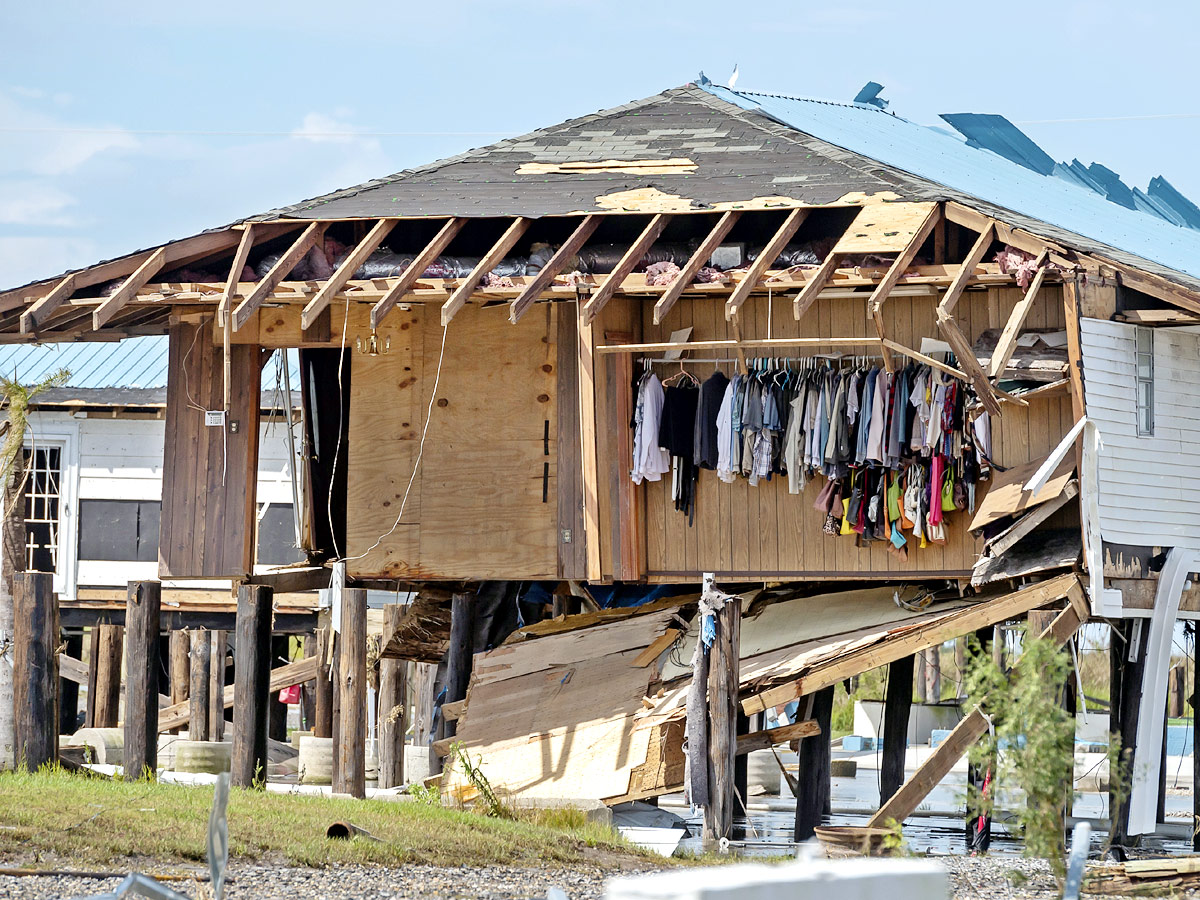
<point>1032,740</point>
<point>15,399</point>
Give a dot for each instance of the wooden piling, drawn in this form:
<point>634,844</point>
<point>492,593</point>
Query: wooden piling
<point>722,721</point>
<point>180,665</point>
<point>812,795</point>
<point>741,768</point>
<point>1127,660</point>
<point>933,674</point>
<point>251,686</point>
<point>393,710</point>
<point>142,611</point>
<point>1194,702</point>
<point>278,710</point>
<point>35,670</point>
<point>93,637</point>
<point>200,661</point>
<point>323,686</point>
<point>458,664</point>
<point>350,739</point>
<point>216,685</point>
<point>68,690</point>
<point>308,689</point>
<point>424,682</point>
<point>897,705</point>
<point>109,648</point>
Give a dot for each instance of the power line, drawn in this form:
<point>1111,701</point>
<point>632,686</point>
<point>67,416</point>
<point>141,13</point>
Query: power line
<point>292,134</point>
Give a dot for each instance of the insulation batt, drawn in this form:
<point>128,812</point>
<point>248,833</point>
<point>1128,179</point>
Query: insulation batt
<point>661,273</point>
<point>1017,262</point>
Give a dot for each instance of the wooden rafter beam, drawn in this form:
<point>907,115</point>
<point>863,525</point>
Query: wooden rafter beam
<point>249,306</point>
<point>903,260</point>
<point>1006,345</point>
<point>560,260</point>
<point>44,308</point>
<point>368,245</point>
<point>813,287</point>
<point>129,287</point>
<point>702,255</point>
<point>769,254</point>
<point>491,259</point>
<point>1014,237</point>
<point>969,361</point>
<point>235,273</point>
<point>967,271</point>
<point>416,269</point>
<point>625,265</point>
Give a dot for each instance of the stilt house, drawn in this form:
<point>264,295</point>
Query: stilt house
<point>475,336</point>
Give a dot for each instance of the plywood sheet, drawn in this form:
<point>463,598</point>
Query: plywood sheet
<point>1007,495</point>
<point>883,228</point>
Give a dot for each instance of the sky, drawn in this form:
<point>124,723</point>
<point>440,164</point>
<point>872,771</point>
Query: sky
<point>123,125</point>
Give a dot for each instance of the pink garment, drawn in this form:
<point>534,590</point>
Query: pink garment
<point>937,470</point>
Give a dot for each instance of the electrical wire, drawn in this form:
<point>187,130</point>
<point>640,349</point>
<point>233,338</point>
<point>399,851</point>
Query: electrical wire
<point>164,132</point>
<point>337,448</point>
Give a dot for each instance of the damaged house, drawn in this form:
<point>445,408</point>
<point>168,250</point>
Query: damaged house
<point>803,383</point>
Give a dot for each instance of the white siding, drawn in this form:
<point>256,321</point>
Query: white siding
<point>1149,485</point>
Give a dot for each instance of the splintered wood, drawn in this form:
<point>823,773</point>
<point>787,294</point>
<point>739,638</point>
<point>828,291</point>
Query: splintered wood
<point>538,726</point>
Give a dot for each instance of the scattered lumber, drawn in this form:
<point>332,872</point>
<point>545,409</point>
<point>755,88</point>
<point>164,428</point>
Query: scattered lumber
<point>1164,876</point>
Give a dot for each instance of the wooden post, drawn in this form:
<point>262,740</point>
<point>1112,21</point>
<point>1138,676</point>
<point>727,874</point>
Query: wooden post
<point>741,763</point>
<point>424,677</point>
<point>35,670</point>
<point>919,677</point>
<point>976,829</point>
<point>216,685</point>
<point>142,610</point>
<point>812,795</point>
<point>323,687</point>
<point>897,705</point>
<point>110,647</point>
<point>251,686</point>
<point>350,740</point>
<point>933,674</point>
<point>393,711</point>
<point>277,727</point>
<point>308,691</point>
<point>201,665</point>
<point>1176,690</point>
<point>89,717</point>
<point>68,690</point>
<point>458,664</point>
<point>1127,660</point>
<point>181,674</point>
<point>960,666</point>
<point>722,720</point>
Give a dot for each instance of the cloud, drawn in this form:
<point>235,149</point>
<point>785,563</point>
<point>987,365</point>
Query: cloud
<point>32,142</point>
<point>320,128</point>
<point>34,202</point>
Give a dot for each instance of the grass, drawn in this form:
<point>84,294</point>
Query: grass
<point>53,818</point>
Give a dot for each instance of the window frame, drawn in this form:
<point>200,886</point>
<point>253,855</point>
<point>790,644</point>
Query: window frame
<point>1143,398</point>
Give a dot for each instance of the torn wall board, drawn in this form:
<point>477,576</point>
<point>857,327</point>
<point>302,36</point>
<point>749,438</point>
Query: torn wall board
<point>423,632</point>
<point>562,716</point>
<point>1043,361</point>
<point>1007,495</point>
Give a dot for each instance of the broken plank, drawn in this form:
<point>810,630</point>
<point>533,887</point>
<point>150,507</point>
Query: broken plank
<point>967,270</point>
<point>698,260</point>
<point>308,238</point>
<point>129,287</point>
<point>969,361</point>
<point>1007,343</point>
<point>452,712</point>
<point>663,642</point>
<point>499,250</point>
<point>625,266</point>
<point>562,256</point>
<point>758,269</point>
<point>1000,544</point>
<point>970,729</point>
<point>770,737</point>
<point>416,269</point>
<point>359,255</point>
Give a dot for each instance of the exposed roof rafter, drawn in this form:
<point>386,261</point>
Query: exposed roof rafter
<point>129,288</point>
<point>308,238</point>
<point>565,253</point>
<point>416,269</point>
<point>625,266</point>
<point>702,255</point>
<point>511,235</point>
<point>368,245</point>
<point>762,263</point>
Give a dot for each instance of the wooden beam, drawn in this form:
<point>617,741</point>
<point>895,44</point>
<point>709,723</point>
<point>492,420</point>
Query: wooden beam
<point>769,254</point>
<point>368,245</point>
<point>632,257</point>
<point>812,288</point>
<point>751,344</point>
<point>416,269</point>
<point>113,304</point>
<point>499,250</point>
<point>278,272</point>
<point>561,258</point>
<point>1002,542</point>
<point>655,650</point>
<point>967,270</point>
<point>969,361</point>
<point>41,310</point>
<point>235,274</point>
<point>587,436</point>
<point>1007,342</point>
<point>284,676</point>
<point>1014,237</point>
<point>702,255</point>
<point>915,638</point>
<point>902,261</point>
<point>969,729</point>
<point>770,737</point>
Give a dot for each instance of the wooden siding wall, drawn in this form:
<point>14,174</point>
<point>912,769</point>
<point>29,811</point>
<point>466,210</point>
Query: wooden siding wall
<point>484,504</point>
<point>208,504</point>
<point>765,532</point>
<point>1149,493</point>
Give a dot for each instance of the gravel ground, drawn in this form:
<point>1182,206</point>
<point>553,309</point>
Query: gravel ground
<point>345,883</point>
<point>971,878</point>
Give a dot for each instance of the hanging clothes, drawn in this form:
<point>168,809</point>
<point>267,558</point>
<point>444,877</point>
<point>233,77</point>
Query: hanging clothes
<point>707,444</point>
<point>650,462</point>
<point>677,435</point>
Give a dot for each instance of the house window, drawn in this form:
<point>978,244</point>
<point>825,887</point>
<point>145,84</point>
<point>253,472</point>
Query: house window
<point>1145,381</point>
<point>42,491</point>
<point>277,536</point>
<point>123,530</point>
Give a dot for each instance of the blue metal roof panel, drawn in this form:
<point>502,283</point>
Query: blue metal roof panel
<point>138,362</point>
<point>932,154</point>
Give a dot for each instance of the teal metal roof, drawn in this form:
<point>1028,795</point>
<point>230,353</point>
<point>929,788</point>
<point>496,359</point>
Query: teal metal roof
<point>948,159</point>
<point>137,362</point>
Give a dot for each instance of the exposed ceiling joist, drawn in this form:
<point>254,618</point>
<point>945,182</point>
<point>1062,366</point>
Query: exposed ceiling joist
<point>458,299</point>
<point>903,260</point>
<point>308,238</point>
<point>416,269</point>
<point>235,273</point>
<point>702,255</point>
<point>632,257</point>
<point>559,261</point>
<point>769,254</point>
<point>111,306</point>
<point>368,245</point>
<point>1007,342</point>
<point>37,314</point>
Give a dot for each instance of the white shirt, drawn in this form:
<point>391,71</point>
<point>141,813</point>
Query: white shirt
<point>650,462</point>
<point>724,436</point>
